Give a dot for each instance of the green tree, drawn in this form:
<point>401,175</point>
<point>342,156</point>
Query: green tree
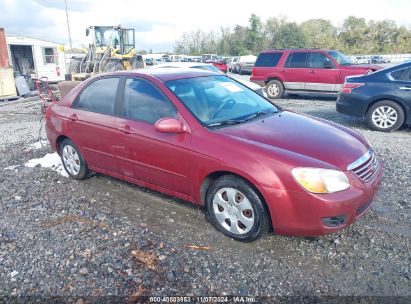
<point>253,40</point>
<point>353,34</point>
<point>319,33</point>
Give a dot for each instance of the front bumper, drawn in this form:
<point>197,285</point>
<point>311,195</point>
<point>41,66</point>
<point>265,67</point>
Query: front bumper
<point>307,214</point>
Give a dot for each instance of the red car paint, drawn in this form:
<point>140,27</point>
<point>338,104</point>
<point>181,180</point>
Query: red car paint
<point>307,79</point>
<point>221,66</point>
<point>262,151</point>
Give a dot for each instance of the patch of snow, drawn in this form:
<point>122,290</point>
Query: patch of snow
<point>50,160</point>
<point>12,168</point>
<point>38,145</point>
<point>14,273</point>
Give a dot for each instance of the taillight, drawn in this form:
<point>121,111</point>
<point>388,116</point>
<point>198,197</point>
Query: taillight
<point>348,87</point>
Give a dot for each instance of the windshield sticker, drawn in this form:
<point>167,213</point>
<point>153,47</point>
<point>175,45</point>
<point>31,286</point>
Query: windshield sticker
<point>231,87</point>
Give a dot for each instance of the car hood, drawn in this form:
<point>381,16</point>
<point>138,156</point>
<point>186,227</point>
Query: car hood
<point>308,137</point>
<point>372,67</point>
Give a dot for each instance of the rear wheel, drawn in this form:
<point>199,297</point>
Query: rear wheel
<point>113,66</point>
<point>236,209</point>
<point>385,116</point>
<point>74,66</point>
<point>73,161</point>
<point>274,89</point>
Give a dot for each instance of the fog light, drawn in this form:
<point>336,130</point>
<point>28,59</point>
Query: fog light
<point>334,221</point>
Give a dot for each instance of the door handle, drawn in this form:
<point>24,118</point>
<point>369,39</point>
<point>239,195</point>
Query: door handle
<point>313,72</point>
<point>284,70</point>
<point>73,117</point>
<point>126,129</point>
<point>405,88</point>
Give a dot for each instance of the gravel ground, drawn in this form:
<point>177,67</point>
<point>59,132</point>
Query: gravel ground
<point>66,240</point>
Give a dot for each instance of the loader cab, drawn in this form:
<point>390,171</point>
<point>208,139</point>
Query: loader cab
<point>118,38</point>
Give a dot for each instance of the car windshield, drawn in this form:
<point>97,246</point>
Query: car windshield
<point>340,58</point>
<point>218,101</point>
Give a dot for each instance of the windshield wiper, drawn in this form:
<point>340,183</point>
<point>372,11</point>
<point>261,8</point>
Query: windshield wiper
<point>257,114</point>
<point>230,122</point>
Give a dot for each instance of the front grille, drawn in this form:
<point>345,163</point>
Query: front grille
<point>366,166</point>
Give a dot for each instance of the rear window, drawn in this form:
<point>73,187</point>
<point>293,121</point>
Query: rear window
<point>268,59</point>
<point>402,75</point>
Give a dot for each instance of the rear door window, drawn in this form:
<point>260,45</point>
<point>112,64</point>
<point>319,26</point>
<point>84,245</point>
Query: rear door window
<point>99,96</point>
<point>297,60</point>
<point>145,102</point>
<point>268,59</point>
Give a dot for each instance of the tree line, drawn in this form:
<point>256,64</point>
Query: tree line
<point>354,36</point>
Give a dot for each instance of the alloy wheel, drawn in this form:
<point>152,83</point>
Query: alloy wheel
<point>384,117</point>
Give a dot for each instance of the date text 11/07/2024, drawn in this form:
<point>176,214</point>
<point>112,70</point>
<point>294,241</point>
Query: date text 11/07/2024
<point>202,299</point>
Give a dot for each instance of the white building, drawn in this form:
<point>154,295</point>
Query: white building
<point>39,58</point>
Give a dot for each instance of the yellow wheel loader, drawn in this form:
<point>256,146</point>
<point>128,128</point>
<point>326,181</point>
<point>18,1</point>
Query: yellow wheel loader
<point>112,48</point>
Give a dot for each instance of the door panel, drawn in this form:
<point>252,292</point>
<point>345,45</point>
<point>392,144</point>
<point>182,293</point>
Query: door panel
<point>91,122</point>
<point>93,133</point>
<point>322,78</point>
<point>295,71</point>
<point>158,158</point>
<point>142,152</point>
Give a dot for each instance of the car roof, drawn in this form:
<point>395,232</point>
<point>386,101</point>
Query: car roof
<point>296,50</point>
<point>179,64</point>
<point>165,74</point>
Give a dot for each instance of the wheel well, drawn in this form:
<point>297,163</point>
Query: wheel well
<point>59,141</point>
<point>209,180</point>
<point>393,100</point>
<point>273,78</point>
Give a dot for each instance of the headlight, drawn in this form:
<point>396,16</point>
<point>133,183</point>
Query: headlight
<point>318,180</point>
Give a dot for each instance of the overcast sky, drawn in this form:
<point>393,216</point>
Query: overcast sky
<point>159,22</point>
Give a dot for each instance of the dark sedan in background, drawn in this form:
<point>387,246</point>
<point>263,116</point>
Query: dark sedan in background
<point>383,98</point>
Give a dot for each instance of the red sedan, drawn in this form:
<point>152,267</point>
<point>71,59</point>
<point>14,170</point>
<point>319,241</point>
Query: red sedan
<point>203,137</point>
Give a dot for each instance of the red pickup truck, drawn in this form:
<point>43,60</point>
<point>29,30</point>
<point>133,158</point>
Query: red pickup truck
<point>301,71</point>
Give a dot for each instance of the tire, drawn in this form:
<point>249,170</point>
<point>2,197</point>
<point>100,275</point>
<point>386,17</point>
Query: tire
<point>385,116</point>
<point>113,66</point>
<point>274,89</point>
<point>136,62</point>
<point>230,199</point>
<point>73,161</point>
<point>74,66</point>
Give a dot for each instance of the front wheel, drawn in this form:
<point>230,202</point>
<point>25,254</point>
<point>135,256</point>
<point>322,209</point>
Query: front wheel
<point>274,89</point>
<point>73,161</point>
<point>386,116</point>
<point>236,209</point>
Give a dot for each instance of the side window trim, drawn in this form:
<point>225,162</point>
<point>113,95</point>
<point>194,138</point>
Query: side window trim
<point>389,75</point>
<point>74,105</point>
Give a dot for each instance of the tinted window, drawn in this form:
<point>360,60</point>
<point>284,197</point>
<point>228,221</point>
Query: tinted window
<point>403,74</point>
<point>99,96</point>
<point>143,101</point>
<point>319,61</point>
<point>297,60</point>
<point>268,59</point>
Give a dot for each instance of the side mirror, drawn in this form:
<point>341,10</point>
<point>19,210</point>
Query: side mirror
<point>169,125</point>
<point>329,65</point>
<point>87,31</point>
